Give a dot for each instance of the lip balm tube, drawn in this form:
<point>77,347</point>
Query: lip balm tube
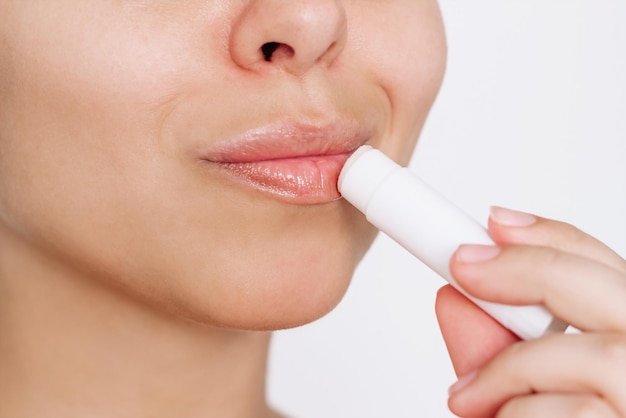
<point>430,227</point>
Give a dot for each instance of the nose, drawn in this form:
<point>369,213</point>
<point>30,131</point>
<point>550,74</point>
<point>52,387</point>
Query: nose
<point>293,35</point>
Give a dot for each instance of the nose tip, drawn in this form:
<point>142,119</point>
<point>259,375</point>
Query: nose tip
<point>291,35</point>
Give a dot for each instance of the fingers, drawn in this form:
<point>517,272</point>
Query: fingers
<point>583,292</point>
<point>577,365</point>
<point>580,280</point>
<point>472,337</point>
<point>557,405</point>
<point>508,227</point>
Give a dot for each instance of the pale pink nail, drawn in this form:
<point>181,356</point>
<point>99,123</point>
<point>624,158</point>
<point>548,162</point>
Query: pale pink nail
<point>462,383</point>
<point>471,253</point>
<point>510,217</point>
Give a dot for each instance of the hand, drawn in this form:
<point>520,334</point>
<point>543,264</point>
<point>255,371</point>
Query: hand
<point>580,280</point>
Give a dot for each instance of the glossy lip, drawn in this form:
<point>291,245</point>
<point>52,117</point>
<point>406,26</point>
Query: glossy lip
<point>294,162</point>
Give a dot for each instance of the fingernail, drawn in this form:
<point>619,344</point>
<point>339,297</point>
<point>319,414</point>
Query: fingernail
<point>472,253</point>
<point>463,382</point>
<point>510,217</point>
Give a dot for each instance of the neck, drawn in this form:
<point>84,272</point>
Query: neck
<point>69,347</point>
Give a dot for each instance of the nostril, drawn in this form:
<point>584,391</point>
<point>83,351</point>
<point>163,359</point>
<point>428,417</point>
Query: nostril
<point>270,49</point>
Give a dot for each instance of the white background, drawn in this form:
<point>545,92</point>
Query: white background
<point>532,115</point>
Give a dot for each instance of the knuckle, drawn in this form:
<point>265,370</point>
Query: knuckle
<point>510,359</point>
<point>567,237</point>
<point>613,352</point>
<point>583,406</point>
<point>589,407</point>
<point>548,256</point>
<point>511,408</point>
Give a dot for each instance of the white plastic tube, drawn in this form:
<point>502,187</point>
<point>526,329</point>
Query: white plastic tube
<point>430,227</point>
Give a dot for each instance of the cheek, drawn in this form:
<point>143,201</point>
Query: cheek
<point>83,173</point>
<point>408,59</point>
<point>82,104</point>
<point>107,202</point>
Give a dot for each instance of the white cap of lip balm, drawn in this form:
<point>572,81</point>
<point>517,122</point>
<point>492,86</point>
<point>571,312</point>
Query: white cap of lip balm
<point>430,227</point>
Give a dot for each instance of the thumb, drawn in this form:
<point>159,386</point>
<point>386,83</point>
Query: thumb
<point>471,336</point>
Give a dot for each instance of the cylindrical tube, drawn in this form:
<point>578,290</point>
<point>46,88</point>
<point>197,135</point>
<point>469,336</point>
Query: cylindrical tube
<point>430,227</point>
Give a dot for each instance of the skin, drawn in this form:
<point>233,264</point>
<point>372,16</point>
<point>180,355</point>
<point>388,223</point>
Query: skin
<point>131,278</point>
<point>575,276</point>
<point>132,281</point>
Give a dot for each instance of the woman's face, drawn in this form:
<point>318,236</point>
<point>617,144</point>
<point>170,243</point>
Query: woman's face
<point>187,152</point>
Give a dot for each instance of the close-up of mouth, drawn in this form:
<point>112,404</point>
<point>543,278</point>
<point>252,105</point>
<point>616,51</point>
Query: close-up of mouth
<point>292,162</point>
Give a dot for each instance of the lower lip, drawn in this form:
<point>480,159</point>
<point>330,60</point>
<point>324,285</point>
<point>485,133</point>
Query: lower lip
<point>301,180</point>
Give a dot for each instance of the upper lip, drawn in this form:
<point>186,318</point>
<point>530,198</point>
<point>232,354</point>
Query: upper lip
<point>290,140</point>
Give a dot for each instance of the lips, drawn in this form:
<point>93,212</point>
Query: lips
<point>297,163</point>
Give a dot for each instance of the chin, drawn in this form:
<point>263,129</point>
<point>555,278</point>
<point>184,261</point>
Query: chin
<point>268,292</point>
<point>267,299</point>
<point>292,300</point>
